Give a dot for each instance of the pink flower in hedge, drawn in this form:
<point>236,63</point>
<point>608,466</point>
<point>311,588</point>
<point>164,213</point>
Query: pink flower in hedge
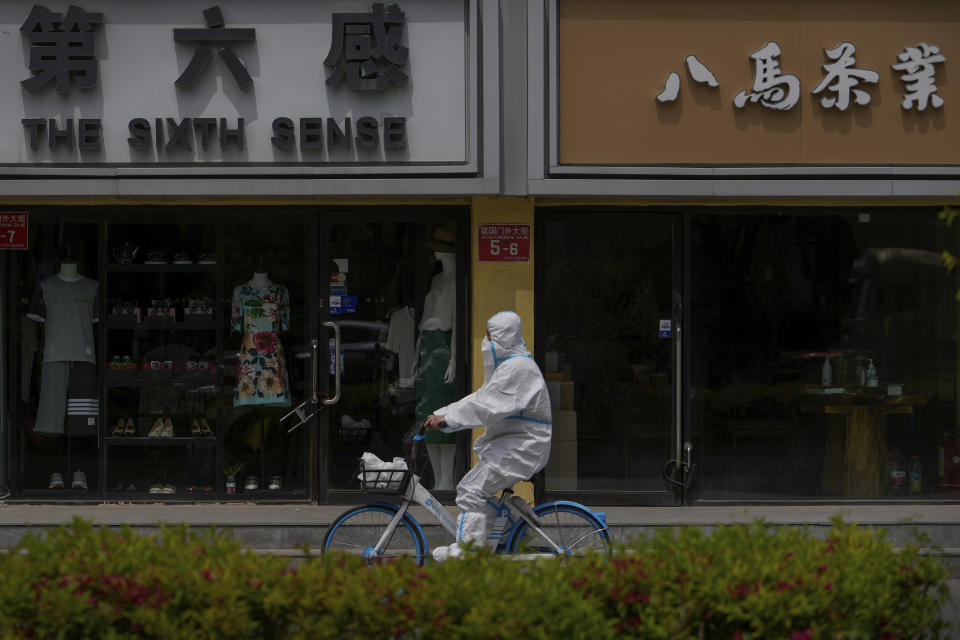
<point>806,634</point>
<point>207,575</point>
<point>737,635</point>
<point>827,586</point>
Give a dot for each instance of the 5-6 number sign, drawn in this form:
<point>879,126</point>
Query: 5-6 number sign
<point>503,242</point>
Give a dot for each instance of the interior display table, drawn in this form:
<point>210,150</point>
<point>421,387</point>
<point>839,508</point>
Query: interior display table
<point>855,463</point>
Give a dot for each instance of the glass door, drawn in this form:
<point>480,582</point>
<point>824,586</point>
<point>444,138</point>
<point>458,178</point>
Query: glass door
<point>607,339</point>
<point>394,287</point>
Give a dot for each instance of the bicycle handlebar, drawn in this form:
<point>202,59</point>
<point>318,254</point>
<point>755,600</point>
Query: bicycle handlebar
<point>417,444</point>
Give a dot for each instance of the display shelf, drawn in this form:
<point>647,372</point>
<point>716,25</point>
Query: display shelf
<point>161,325</point>
<point>124,380</point>
<point>166,267</point>
<point>141,441</point>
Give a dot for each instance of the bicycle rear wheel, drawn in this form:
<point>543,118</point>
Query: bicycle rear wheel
<point>571,526</point>
<point>359,529</point>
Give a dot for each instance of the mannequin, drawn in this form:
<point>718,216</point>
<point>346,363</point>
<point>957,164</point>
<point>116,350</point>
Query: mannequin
<point>260,310</point>
<point>69,392</point>
<point>436,370</point>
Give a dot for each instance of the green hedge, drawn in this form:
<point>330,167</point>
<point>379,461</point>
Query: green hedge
<point>739,581</point>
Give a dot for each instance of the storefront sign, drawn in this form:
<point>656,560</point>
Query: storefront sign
<point>13,230</point>
<point>503,242</point>
<point>245,83</point>
<point>865,82</point>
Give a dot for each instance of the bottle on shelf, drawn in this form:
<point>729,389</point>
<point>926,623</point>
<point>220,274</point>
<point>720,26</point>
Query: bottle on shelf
<point>872,379</point>
<point>826,373</point>
<point>896,472</point>
<point>915,475</point>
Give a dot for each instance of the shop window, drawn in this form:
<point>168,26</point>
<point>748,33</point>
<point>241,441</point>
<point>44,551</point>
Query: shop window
<point>53,352</point>
<point>604,291</point>
<point>824,358</point>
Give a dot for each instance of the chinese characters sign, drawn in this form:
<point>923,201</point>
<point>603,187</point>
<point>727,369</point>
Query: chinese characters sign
<point>357,81</point>
<point>13,230</point>
<point>793,82</point>
<point>778,91</point>
<point>503,242</point>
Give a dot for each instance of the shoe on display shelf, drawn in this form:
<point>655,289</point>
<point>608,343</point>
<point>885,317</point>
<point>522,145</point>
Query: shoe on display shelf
<point>275,483</point>
<point>156,488</point>
<point>168,488</point>
<point>252,484</point>
<point>167,430</point>
<point>118,430</point>
<point>157,429</point>
<point>56,481</point>
<point>79,480</point>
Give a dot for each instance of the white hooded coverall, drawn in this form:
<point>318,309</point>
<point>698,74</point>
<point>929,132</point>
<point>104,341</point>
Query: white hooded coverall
<point>514,408</point>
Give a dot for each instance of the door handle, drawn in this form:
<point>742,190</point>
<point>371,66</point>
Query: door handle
<point>336,363</point>
<point>684,465</point>
<point>314,363</point>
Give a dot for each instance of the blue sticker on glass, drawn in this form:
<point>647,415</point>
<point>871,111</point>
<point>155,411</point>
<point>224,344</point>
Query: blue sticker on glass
<point>666,328</point>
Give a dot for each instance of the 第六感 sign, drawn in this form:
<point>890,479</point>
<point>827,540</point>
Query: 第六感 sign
<point>503,242</point>
<point>13,230</point>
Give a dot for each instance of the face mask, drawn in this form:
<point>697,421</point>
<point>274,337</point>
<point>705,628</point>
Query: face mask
<point>486,352</point>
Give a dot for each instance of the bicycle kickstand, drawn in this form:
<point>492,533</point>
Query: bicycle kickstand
<point>301,411</point>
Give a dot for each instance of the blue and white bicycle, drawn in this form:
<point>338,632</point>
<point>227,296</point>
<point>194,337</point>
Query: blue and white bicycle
<point>382,529</point>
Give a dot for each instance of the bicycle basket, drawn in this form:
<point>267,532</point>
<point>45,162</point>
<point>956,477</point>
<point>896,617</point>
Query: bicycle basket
<point>390,481</point>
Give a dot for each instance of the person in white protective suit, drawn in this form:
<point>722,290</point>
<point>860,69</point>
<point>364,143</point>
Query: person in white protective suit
<point>514,408</point>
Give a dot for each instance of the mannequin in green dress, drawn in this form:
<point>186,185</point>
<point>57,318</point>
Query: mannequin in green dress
<point>436,366</point>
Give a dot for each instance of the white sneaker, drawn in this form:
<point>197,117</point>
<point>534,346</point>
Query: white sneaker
<point>79,480</point>
<point>56,481</point>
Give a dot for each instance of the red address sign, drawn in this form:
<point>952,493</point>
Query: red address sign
<point>13,230</point>
<point>503,242</point>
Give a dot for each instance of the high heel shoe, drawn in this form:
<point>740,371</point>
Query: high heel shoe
<point>167,431</point>
<point>156,429</point>
<point>129,429</point>
<point>118,430</point>
<point>195,428</point>
<point>205,429</point>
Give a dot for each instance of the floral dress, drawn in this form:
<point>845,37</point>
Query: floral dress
<point>261,313</point>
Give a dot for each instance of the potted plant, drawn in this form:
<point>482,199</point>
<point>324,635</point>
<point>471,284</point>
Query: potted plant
<point>230,470</point>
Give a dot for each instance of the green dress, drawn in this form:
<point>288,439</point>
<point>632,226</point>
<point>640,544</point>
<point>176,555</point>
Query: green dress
<point>432,391</point>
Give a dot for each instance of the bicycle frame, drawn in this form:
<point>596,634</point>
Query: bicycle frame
<point>507,519</point>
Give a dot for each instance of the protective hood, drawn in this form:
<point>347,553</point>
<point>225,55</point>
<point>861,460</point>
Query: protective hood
<point>506,337</point>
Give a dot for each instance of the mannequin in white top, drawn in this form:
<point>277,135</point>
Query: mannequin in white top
<point>436,348</point>
<point>68,270</point>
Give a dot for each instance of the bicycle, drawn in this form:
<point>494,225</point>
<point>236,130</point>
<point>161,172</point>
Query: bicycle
<point>383,529</point>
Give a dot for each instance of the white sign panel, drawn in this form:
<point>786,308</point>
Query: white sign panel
<point>342,83</point>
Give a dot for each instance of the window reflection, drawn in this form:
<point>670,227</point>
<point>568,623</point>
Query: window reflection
<point>824,356</point>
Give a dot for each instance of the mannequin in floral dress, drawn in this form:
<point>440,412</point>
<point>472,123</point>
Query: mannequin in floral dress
<point>261,310</point>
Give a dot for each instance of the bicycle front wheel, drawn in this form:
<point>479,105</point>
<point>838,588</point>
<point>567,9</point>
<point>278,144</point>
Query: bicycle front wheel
<point>572,527</point>
<point>359,529</point>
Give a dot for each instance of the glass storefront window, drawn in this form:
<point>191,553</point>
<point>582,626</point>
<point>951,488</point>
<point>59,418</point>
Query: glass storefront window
<point>400,303</point>
<point>824,358</point>
<point>604,302</point>
<point>53,340</point>
<point>155,351</point>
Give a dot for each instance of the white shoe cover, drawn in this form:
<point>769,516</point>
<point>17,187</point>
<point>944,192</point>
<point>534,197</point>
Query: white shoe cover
<point>472,527</point>
<point>450,551</point>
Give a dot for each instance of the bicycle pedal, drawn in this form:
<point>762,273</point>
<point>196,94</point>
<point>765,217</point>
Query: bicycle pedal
<point>521,505</point>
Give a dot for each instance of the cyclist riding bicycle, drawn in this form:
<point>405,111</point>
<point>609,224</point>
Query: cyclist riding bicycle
<point>514,407</point>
